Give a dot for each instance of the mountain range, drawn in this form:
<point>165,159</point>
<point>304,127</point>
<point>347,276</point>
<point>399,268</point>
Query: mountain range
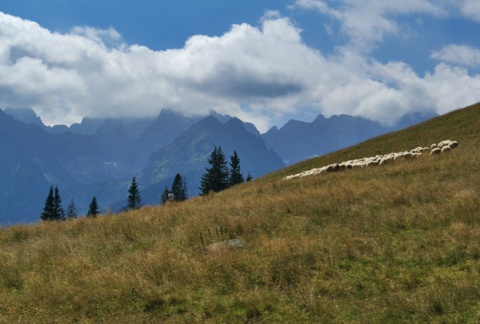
<point>99,157</point>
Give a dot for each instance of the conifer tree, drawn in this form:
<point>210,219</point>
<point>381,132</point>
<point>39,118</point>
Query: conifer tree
<point>48,210</point>
<point>216,177</point>
<point>179,188</point>
<point>249,177</point>
<point>58,211</point>
<point>93,208</point>
<point>134,199</point>
<point>236,175</point>
<point>53,206</point>
<point>71,210</point>
<point>164,197</point>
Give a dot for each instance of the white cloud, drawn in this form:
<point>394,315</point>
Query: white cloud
<point>452,87</point>
<point>366,23</point>
<point>459,54</point>
<point>471,9</point>
<point>99,36</point>
<point>384,92</point>
<point>256,73</point>
<point>78,74</point>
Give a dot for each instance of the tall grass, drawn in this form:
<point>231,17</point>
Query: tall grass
<point>396,243</point>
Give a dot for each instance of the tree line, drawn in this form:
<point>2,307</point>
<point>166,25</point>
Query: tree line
<point>53,204</point>
<point>216,178</point>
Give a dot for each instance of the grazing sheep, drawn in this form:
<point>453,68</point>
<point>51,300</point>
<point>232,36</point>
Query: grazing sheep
<point>385,160</point>
<point>357,165</point>
<point>444,143</point>
<point>435,151</point>
<point>417,150</point>
<point>332,167</point>
<point>398,156</point>
<point>453,144</point>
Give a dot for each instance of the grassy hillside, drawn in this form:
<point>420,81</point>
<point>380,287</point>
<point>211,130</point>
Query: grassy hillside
<point>394,243</point>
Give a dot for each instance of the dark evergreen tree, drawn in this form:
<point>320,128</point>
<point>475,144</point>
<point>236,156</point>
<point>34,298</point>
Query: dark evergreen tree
<point>249,177</point>
<point>48,210</point>
<point>58,211</point>
<point>216,177</point>
<point>71,210</point>
<point>236,175</point>
<point>179,188</point>
<point>164,197</point>
<point>53,206</point>
<point>134,199</point>
<point>93,208</point>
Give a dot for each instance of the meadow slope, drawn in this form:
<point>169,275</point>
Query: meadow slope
<point>394,243</point>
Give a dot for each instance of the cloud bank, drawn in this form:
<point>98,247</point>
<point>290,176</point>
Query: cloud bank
<point>258,73</point>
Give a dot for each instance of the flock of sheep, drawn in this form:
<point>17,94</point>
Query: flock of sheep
<point>443,146</point>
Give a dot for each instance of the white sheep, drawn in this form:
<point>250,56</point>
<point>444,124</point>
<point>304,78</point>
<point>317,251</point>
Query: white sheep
<point>398,156</point>
<point>342,166</point>
<point>444,143</point>
<point>332,167</point>
<point>435,151</point>
<point>385,160</point>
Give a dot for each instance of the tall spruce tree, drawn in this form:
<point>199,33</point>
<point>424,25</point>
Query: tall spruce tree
<point>48,210</point>
<point>164,196</point>
<point>216,177</point>
<point>53,206</point>
<point>71,210</point>
<point>93,208</point>
<point>58,211</point>
<point>134,199</point>
<point>178,188</point>
<point>236,175</point>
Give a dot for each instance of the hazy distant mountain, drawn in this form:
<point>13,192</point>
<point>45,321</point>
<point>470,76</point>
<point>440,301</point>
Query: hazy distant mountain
<point>225,118</point>
<point>160,132</point>
<point>188,155</point>
<point>26,115</point>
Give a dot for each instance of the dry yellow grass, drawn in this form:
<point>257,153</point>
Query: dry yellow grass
<point>395,243</point>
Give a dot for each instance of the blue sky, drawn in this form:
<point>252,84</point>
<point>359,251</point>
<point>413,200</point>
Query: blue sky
<point>263,61</point>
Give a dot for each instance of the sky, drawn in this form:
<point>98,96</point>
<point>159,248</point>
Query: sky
<point>264,61</point>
